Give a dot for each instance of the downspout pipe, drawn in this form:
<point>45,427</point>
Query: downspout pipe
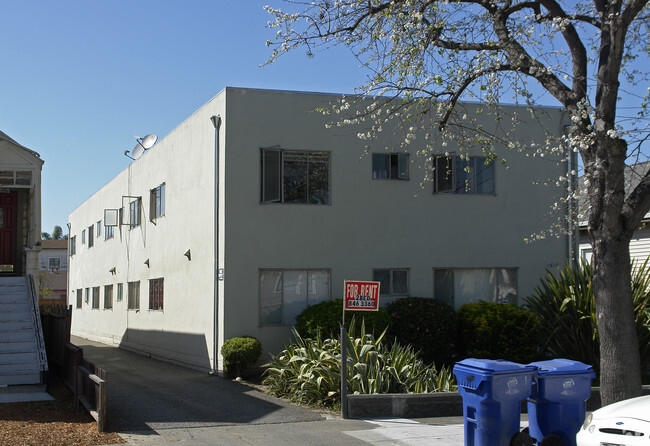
<point>216,123</point>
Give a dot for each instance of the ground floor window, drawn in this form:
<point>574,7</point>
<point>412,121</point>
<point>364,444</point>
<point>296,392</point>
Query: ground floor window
<point>458,286</point>
<point>133,295</point>
<point>96,297</point>
<point>394,282</point>
<point>156,294</point>
<point>108,297</point>
<point>285,293</point>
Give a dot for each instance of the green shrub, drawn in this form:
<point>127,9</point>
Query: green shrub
<point>565,308</point>
<point>239,352</point>
<point>326,317</point>
<point>427,325</point>
<point>498,331</point>
<point>309,370</point>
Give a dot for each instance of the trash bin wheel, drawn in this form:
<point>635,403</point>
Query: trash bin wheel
<point>522,439</point>
<point>551,440</point>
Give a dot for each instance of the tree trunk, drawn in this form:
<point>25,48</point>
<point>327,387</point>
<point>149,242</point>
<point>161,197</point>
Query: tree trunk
<point>620,363</point>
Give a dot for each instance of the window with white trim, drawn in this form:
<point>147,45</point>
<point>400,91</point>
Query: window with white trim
<point>99,229</point>
<point>83,237</point>
<point>458,286</point>
<point>284,293</point>
<point>95,297</point>
<point>91,237</point>
<point>120,292</point>
<point>390,166</point>
<point>87,295</point>
<point>291,176</point>
<point>464,175</point>
<point>73,245</point>
<point>108,297</point>
<point>79,297</point>
<point>157,202</point>
<point>133,295</point>
<point>393,282</point>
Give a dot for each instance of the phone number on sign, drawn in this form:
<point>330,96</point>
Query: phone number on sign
<point>361,303</point>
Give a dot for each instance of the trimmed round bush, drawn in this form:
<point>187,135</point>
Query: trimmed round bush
<point>427,325</point>
<point>239,352</point>
<point>327,317</point>
<point>498,331</point>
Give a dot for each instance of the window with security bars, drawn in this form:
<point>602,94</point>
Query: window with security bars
<point>133,295</point>
<point>290,176</point>
<point>156,293</point>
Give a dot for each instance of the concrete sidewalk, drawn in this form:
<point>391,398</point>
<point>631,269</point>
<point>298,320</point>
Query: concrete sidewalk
<point>156,403</point>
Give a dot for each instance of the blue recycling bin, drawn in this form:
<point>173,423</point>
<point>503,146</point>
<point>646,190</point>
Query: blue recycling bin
<point>557,405</point>
<point>492,392</point>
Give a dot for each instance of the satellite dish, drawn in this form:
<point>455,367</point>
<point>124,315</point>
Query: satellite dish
<point>142,146</point>
<point>137,151</point>
<point>148,141</point>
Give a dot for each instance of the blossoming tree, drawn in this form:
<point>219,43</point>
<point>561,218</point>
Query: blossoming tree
<point>425,56</point>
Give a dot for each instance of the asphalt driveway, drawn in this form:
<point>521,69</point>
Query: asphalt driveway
<point>145,394</point>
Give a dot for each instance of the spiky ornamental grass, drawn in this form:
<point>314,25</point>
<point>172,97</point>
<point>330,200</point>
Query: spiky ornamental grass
<point>564,304</point>
<point>309,370</point>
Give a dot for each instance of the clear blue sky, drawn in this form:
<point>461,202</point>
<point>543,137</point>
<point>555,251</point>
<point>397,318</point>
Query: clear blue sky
<point>80,78</point>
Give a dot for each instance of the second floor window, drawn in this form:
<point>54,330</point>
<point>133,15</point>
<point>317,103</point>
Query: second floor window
<point>157,202</point>
<point>290,176</point>
<point>467,175</point>
<point>390,166</point>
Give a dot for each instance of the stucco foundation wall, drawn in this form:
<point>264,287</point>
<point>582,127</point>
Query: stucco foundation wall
<point>183,330</point>
<point>369,223</point>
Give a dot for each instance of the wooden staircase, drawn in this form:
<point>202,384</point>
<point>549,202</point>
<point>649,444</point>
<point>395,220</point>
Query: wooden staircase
<point>23,360</point>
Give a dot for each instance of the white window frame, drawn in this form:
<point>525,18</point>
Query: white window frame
<point>133,295</point>
<point>391,278</point>
<point>499,294</point>
<point>398,166</point>
<point>157,202</point>
<point>449,169</point>
<point>274,187</point>
<point>279,292</point>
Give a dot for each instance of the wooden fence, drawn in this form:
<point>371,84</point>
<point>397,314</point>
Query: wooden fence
<point>85,379</point>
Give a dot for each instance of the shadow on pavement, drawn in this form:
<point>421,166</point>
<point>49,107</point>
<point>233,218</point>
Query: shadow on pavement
<point>145,394</point>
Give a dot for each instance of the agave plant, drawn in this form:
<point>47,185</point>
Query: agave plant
<point>309,370</point>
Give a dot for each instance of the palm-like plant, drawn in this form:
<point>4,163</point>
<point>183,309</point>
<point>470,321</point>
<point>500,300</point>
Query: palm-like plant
<point>564,304</point>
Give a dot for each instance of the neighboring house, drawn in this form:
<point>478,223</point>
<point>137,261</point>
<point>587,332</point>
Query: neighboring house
<point>22,351</point>
<point>20,208</point>
<point>299,209</point>
<point>640,243</point>
<point>53,272</point>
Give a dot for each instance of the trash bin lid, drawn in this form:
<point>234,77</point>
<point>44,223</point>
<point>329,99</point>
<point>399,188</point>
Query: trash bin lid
<point>495,366</point>
<point>562,366</point>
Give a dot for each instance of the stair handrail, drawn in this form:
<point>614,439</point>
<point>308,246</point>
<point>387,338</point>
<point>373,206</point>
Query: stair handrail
<point>38,328</point>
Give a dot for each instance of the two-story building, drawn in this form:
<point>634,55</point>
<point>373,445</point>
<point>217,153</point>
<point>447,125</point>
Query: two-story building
<point>252,209</point>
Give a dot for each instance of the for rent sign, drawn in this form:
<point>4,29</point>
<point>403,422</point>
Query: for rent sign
<point>361,295</point>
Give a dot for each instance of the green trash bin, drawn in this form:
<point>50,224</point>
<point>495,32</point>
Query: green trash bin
<point>492,392</point>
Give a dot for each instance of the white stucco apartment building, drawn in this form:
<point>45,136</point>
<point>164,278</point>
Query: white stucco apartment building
<point>299,209</point>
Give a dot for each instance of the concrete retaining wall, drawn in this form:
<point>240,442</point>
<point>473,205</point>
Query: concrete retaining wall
<point>426,405</point>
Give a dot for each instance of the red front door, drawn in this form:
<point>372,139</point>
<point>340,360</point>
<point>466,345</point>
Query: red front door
<point>8,232</point>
